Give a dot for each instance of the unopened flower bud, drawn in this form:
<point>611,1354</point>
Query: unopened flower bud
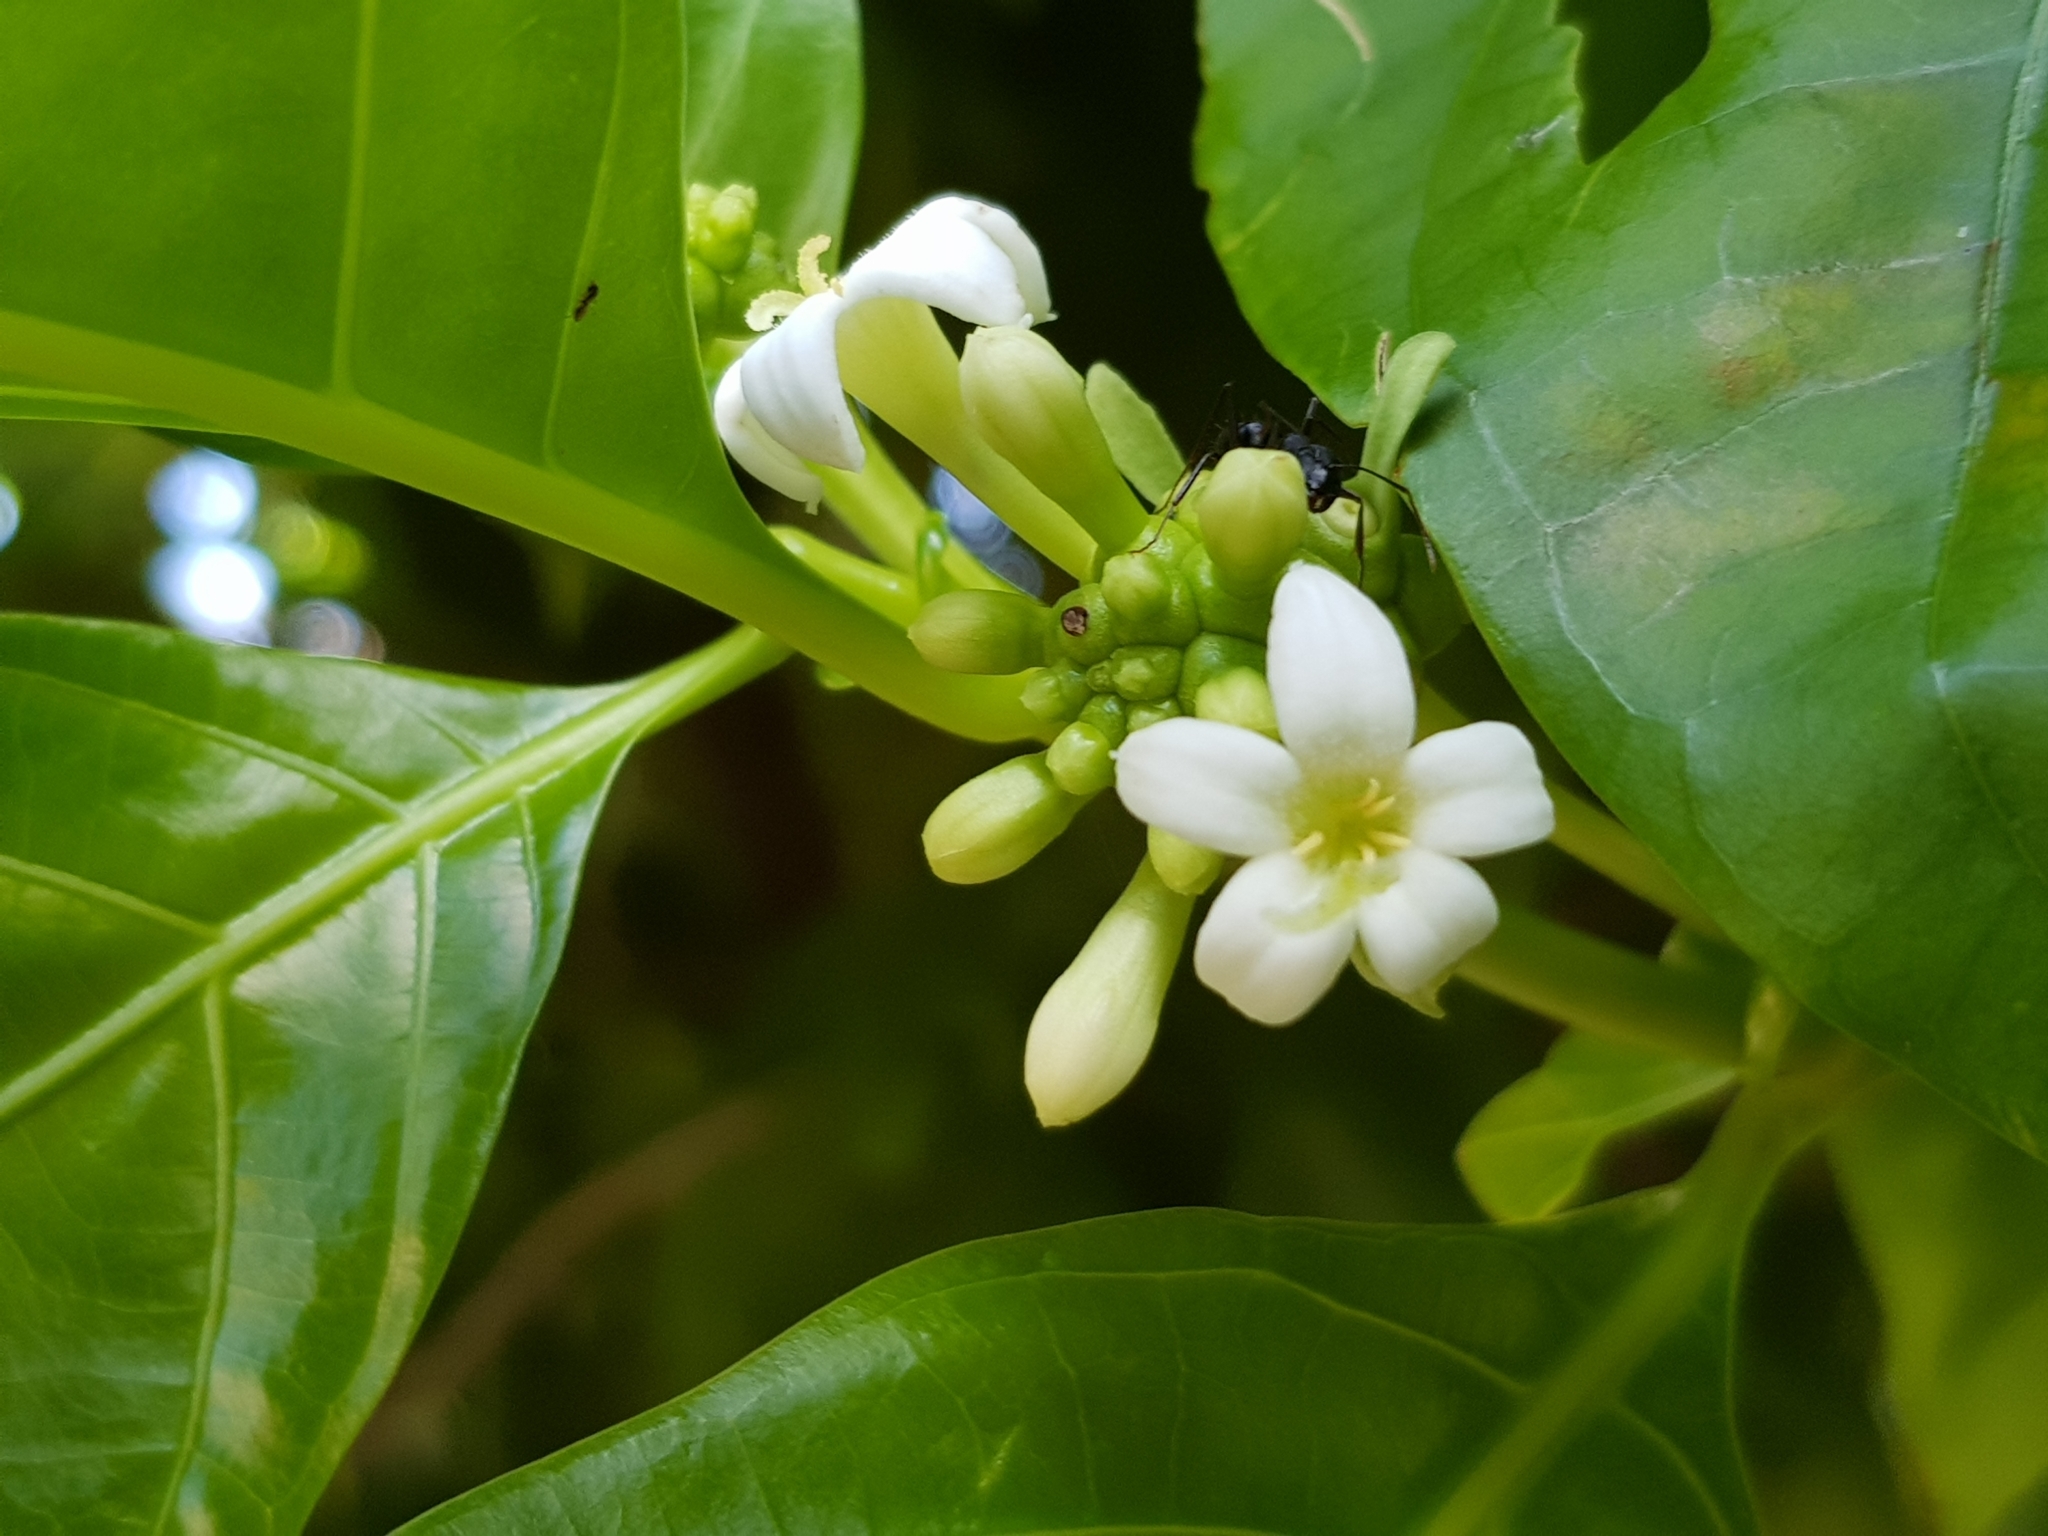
<point>1086,633</point>
<point>1141,715</point>
<point>1082,760</point>
<point>1224,612</point>
<point>1109,714</point>
<point>1057,694</point>
<point>1239,697</point>
<point>1183,866</point>
<point>1254,511</point>
<point>978,630</point>
<point>1150,600</point>
<point>1144,673</point>
<point>1095,1027</point>
<point>1031,406</point>
<point>997,822</point>
<point>1211,656</point>
<point>721,226</point>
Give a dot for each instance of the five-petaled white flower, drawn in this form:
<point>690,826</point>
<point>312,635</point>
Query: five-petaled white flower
<point>782,403</point>
<point>1355,834</point>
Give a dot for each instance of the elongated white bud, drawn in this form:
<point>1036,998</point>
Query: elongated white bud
<point>1254,510</point>
<point>1095,1027</point>
<point>1032,407</point>
<point>997,822</point>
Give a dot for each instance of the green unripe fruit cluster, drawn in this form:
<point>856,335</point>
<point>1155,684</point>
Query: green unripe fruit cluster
<point>731,263</point>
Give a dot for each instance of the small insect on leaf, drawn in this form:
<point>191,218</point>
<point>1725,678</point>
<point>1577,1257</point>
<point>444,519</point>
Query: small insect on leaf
<point>583,304</point>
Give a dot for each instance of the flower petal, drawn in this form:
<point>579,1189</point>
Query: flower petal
<point>791,380</point>
<point>1257,947</point>
<point>1340,680</point>
<point>1431,917</point>
<point>1001,226</point>
<point>942,256</point>
<point>1477,790</point>
<point>758,453</point>
<point>1219,786</point>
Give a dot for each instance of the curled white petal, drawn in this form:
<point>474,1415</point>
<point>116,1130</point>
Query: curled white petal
<point>758,453</point>
<point>791,379</point>
<point>1432,915</point>
<point>1339,676</point>
<point>1270,944</point>
<point>947,258</point>
<point>1218,786</point>
<point>1001,226</point>
<point>1477,790</point>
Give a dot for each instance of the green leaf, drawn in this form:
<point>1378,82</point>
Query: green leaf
<point>1743,480</point>
<point>1954,1227</point>
<point>1189,1371</point>
<point>365,232</point>
<point>1527,1153</point>
<point>275,930</point>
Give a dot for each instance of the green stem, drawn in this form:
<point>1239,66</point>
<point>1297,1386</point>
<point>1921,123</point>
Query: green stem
<point>726,559</point>
<point>1718,1200</point>
<point>1589,834</point>
<point>1606,990</point>
<point>890,593</point>
<point>1601,843</point>
<point>886,514</point>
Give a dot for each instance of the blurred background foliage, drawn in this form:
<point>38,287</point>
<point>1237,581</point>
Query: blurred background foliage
<point>781,1057</point>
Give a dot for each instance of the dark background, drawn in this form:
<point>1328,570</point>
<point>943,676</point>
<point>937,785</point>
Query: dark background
<point>781,1057</point>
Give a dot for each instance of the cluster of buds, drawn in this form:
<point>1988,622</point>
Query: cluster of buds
<point>1219,661</point>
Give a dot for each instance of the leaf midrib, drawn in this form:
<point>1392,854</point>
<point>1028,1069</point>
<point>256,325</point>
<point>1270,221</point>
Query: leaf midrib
<point>440,813</point>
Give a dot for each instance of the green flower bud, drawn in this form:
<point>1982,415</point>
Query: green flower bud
<point>1142,715</point>
<point>1150,600</point>
<point>1032,408</point>
<point>1093,1031</point>
<point>1145,673</point>
<point>1087,632</point>
<point>1081,760</point>
<point>997,822</point>
<point>980,631</point>
<point>1239,697</point>
<point>1056,694</point>
<point>762,274</point>
<point>1210,657</point>
<point>1181,865</point>
<point>721,226</point>
<point>1109,714</point>
<point>707,293</point>
<point>1253,511</point>
<point>1224,612</point>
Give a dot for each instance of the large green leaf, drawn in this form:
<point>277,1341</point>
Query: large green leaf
<point>364,232</point>
<point>1189,1371</point>
<point>272,932</point>
<point>1745,475</point>
<point>1954,1227</point>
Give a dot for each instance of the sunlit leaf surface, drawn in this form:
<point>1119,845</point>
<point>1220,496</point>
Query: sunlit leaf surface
<point>274,931</point>
<point>1744,471</point>
<point>1178,1370</point>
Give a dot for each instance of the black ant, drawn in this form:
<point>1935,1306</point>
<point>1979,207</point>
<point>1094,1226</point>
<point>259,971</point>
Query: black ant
<point>1322,473</point>
<point>583,304</point>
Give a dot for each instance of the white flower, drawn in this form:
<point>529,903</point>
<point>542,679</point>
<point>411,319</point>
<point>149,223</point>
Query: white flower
<point>1354,832</point>
<point>968,258</point>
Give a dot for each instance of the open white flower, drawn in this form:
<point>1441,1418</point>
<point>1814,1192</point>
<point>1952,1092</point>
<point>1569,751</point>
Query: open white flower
<point>968,258</point>
<point>1355,834</point>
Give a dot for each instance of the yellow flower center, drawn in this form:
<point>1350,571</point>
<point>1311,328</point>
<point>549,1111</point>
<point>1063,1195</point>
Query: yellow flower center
<point>1339,825</point>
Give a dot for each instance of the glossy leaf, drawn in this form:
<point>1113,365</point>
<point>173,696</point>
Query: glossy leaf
<point>1743,473</point>
<point>1176,1370</point>
<point>272,932</point>
<point>1528,1152</point>
<point>1954,1227</point>
<point>366,232</point>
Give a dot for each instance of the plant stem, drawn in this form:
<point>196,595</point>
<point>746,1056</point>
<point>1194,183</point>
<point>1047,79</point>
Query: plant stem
<point>1717,1201</point>
<point>1600,842</point>
<point>718,551</point>
<point>1606,990</point>
<point>888,516</point>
